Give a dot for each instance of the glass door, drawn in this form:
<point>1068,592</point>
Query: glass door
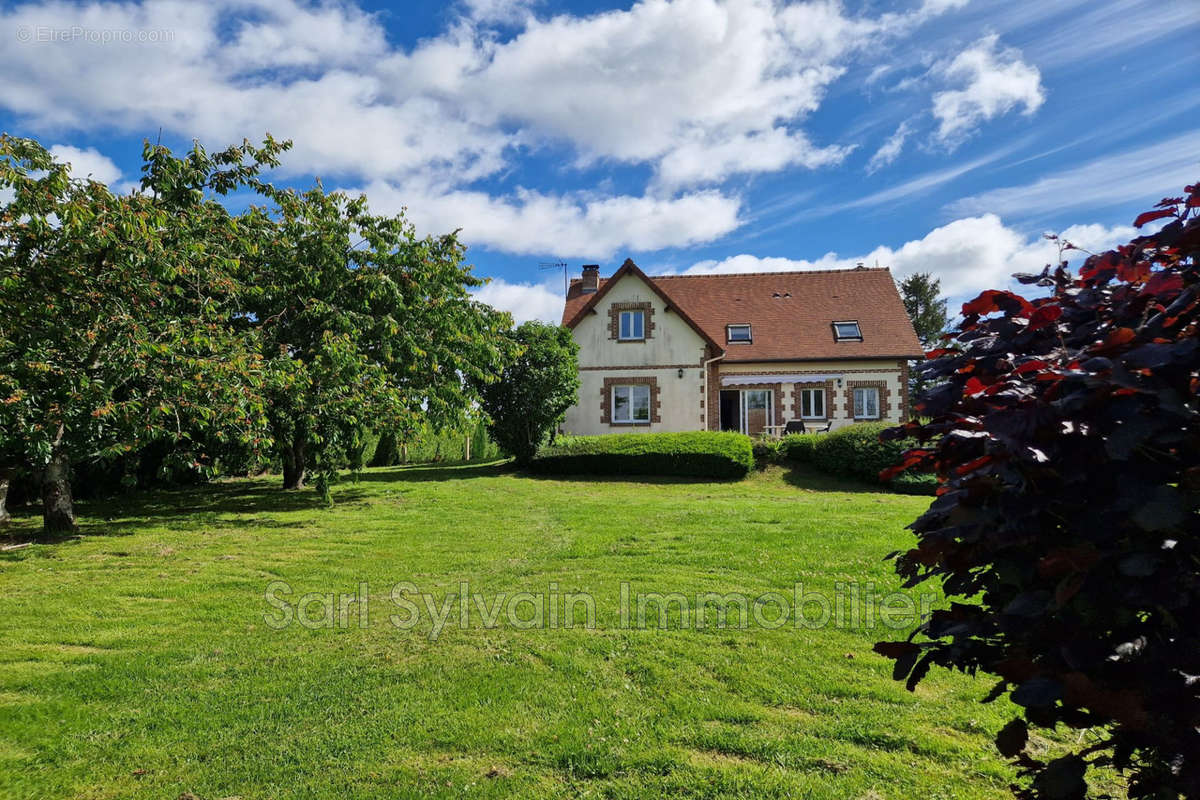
<point>757,411</point>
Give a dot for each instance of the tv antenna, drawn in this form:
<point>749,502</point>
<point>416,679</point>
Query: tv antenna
<point>557,265</point>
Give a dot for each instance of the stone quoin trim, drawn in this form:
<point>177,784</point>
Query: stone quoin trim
<point>633,380</point>
<point>885,399</point>
<point>905,410</point>
<point>797,408</point>
<point>614,320</point>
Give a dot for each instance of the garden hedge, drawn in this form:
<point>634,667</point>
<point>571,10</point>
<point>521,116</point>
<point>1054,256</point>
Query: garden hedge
<point>700,454</point>
<point>855,451</point>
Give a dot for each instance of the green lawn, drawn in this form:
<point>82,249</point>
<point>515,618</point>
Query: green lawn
<point>138,661</point>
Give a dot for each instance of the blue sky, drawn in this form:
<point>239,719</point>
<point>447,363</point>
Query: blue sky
<point>690,135</point>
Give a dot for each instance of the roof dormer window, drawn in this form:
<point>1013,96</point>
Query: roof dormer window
<point>738,333</point>
<point>847,331</point>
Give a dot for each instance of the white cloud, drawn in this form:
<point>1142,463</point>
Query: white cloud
<point>87,163</point>
<point>995,81</point>
<point>563,225</point>
<point>525,301</point>
<point>968,255</point>
<point>889,151</point>
<point>697,89</point>
<point>1148,173</point>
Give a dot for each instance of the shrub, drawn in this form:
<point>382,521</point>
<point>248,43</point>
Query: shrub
<point>700,454</point>
<point>766,451</point>
<point>1067,429</point>
<point>856,451</point>
<point>799,447</point>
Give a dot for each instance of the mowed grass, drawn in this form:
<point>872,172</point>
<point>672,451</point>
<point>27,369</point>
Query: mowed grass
<point>138,662</point>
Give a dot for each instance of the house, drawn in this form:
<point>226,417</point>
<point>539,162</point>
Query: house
<point>738,352</point>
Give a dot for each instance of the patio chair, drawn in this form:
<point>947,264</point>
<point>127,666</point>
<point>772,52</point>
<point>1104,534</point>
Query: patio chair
<point>793,426</point>
<point>828,427</point>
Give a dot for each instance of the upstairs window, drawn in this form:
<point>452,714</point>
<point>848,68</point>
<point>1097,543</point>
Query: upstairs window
<point>632,325</point>
<point>847,331</point>
<point>737,333</point>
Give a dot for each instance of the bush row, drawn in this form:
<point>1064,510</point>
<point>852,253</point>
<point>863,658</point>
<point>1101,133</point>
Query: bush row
<point>701,454</point>
<point>427,445</point>
<point>855,451</point>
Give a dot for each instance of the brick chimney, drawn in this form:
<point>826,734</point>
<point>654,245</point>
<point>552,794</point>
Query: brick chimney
<point>591,278</point>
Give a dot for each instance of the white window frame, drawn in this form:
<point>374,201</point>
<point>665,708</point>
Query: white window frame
<point>839,336</point>
<point>636,313</point>
<point>744,401</point>
<point>630,389</point>
<point>729,339</point>
<point>862,407</point>
<point>819,394</point>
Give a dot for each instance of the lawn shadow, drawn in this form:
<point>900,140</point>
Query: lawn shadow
<point>806,476</point>
<point>652,479</point>
<point>217,504</point>
<point>443,471</point>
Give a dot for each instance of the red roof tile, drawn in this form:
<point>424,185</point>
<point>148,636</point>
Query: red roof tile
<point>791,314</point>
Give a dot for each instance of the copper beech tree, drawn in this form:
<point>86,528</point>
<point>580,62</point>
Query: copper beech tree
<point>1065,431</point>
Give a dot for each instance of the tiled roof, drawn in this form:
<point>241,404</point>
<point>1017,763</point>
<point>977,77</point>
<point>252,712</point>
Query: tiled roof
<point>791,314</point>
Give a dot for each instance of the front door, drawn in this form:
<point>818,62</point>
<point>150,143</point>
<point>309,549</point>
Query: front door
<point>756,411</point>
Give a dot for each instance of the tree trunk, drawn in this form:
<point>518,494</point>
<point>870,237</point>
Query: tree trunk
<point>294,465</point>
<point>4,479</point>
<point>58,511</point>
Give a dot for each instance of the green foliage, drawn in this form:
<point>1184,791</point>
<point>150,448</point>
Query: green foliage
<point>855,451</point>
<point>426,445</point>
<point>927,311</point>
<point>119,324</point>
<point>362,323</point>
<point>799,447</point>
<point>926,308</point>
<point>766,451</point>
<point>529,397</point>
<point>695,454</point>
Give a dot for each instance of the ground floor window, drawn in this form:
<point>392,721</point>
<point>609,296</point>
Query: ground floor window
<point>631,403</point>
<point>866,402</point>
<point>812,403</point>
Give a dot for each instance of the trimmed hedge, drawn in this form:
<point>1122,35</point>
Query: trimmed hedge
<point>854,451</point>
<point>701,454</point>
<point>799,446</point>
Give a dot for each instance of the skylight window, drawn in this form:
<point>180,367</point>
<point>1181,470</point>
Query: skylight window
<point>737,333</point>
<point>847,331</point>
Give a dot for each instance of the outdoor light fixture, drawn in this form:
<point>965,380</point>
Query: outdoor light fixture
<point>839,383</point>
<point>681,372</point>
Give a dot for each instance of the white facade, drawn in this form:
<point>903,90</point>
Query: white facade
<point>671,346</point>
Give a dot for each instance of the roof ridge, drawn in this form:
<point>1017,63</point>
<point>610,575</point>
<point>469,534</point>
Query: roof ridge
<point>774,272</point>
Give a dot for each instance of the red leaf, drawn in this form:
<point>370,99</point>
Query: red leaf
<point>1133,272</point>
<point>1163,282</point>
<point>996,300</point>
<point>1150,216</point>
<point>1044,316</point>
<point>971,466</point>
<point>1030,366</point>
<point>974,386</point>
<point>1117,338</point>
